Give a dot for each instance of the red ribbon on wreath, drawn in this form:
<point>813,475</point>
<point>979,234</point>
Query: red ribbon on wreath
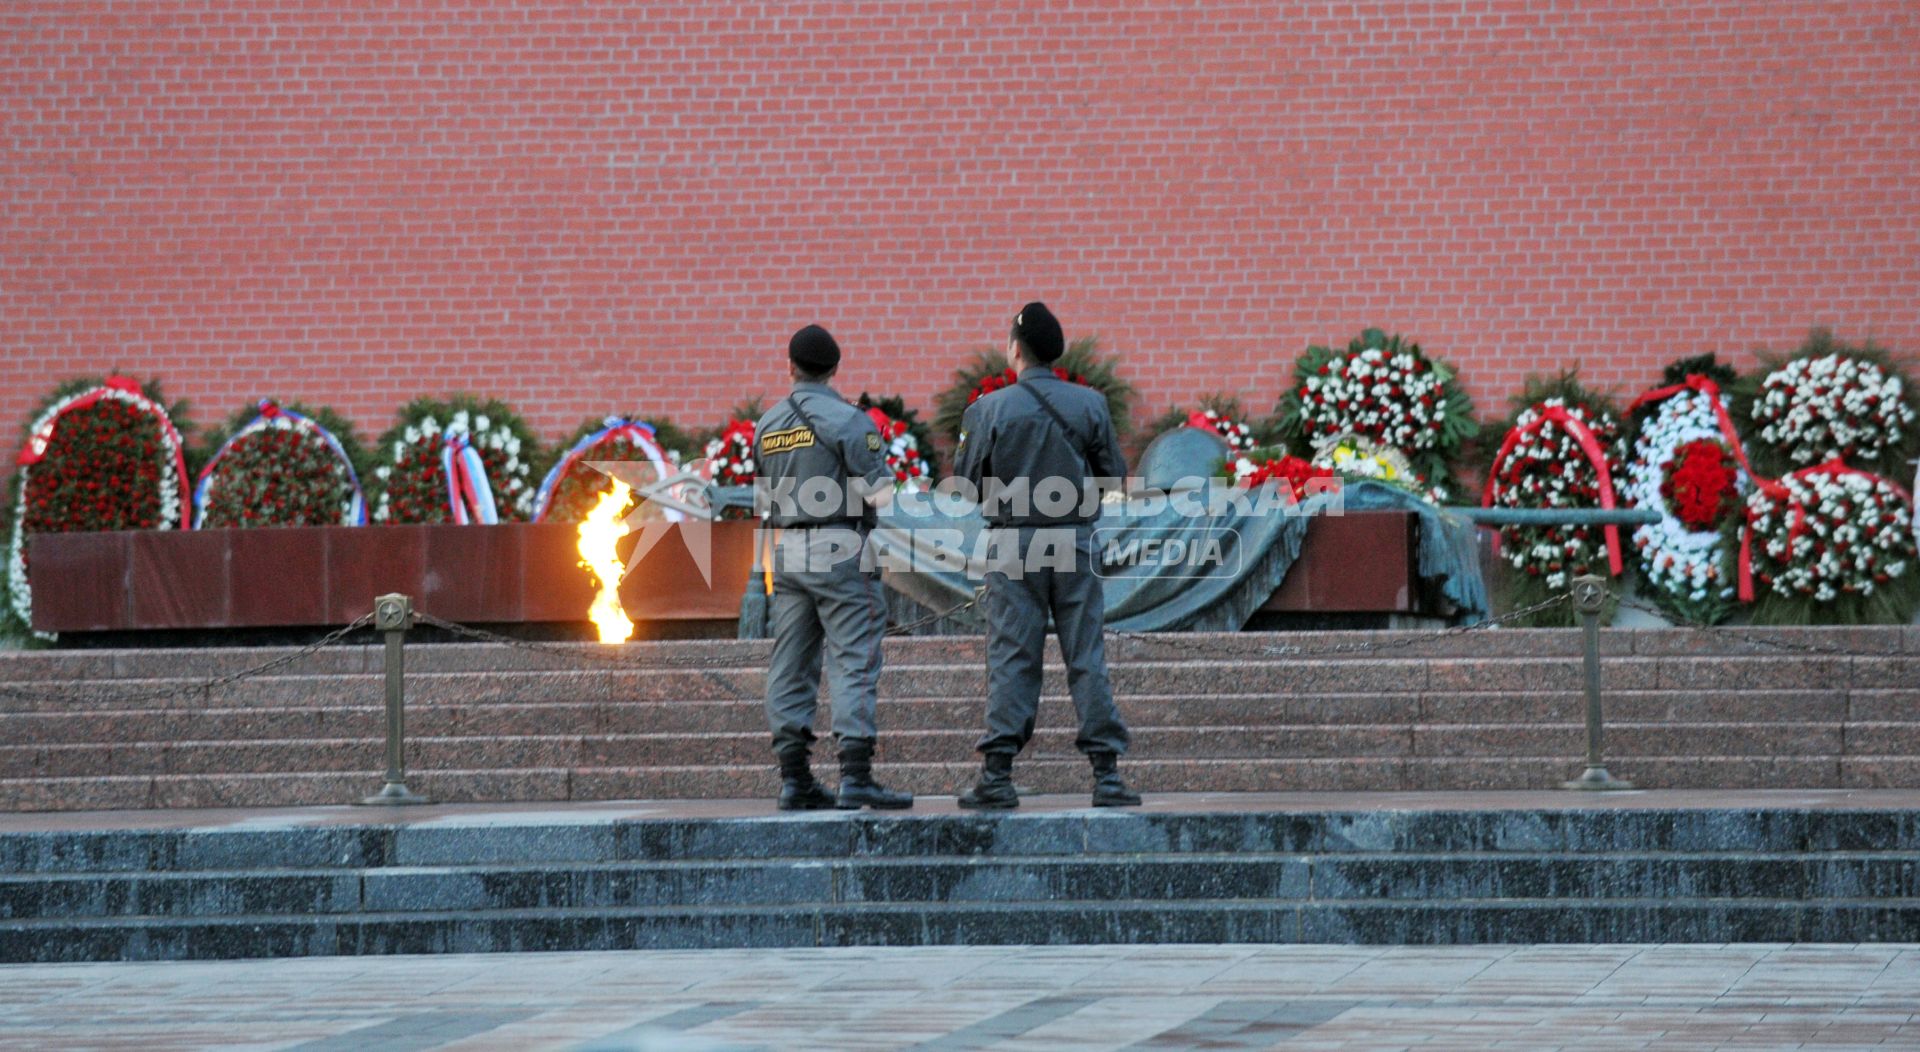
<point>1778,491</point>
<point>1703,385</point>
<point>36,448</point>
<point>1583,437</point>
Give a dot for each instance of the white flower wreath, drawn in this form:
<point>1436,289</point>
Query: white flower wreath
<point>1815,409</point>
<point>1829,532</point>
<point>514,488</point>
<point>1691,569</point>
<point>1379,393</point>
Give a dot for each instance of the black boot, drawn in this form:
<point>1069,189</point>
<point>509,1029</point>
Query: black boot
<point>1108,789</point>
<point>798,790</point>
<point>995,791</point>
<point>857,787</point>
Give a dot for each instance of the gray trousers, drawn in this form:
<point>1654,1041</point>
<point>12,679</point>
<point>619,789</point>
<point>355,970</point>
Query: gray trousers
<point>824,605</point>
<point>1018,603</point>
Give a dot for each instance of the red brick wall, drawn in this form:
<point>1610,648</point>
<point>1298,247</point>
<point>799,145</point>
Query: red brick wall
<point>588,206</point>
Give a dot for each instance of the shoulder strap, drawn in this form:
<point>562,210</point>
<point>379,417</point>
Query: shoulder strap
<point>1073,437</point>
<point>821,436</point>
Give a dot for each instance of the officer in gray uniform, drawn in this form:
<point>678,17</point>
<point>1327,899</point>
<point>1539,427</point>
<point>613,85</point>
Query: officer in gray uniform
<point>820,471</point>
<point>1012,442</point>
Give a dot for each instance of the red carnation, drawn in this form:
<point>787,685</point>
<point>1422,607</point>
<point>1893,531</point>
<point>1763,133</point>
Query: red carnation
<point>1701,485</point>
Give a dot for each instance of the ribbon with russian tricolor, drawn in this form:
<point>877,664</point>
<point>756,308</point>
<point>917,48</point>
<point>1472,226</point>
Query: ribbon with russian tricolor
<point>638,433</point>
<point>356,510</point>
<point>469,494</point>
<point>1584,438</point>
<point>123,389</point>
<point>1797,525</point>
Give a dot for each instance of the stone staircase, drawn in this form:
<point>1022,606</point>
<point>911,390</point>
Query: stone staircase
<point>1738,870</point>
<point>1218,713</point>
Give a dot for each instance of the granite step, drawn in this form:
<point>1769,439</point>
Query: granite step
<point>370,839</point>
<point>504,752</point>
<point>1439,678</point>
<point>1192,677</point>
<point>1879,713</point>
<point>1451,675</point>
<point>1412,875</point>
<point>1500,709</point>
<point>1060,772</point>
<point>1872,709</point>
<point>1453,922</point>
<point>1225,743</point>
<point>193,662</point>
<point>69,664</point>
<point>812,882</point>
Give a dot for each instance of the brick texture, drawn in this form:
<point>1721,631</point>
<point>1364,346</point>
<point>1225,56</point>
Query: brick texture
<point>591,205</point>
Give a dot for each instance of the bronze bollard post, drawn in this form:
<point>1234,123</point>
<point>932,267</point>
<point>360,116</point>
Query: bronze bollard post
<point>393,615</point>
<point>1590,598</point>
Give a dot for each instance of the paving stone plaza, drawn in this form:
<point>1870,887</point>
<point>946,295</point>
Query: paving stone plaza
<point>1678,997</point>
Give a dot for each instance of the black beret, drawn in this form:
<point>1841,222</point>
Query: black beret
<point>813,349</point>
<point>1039,331</point>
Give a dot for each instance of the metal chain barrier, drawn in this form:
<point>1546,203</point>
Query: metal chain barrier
<point>1213,647</point>
<point>907,628</point>
<point>1408,642</point>
<point>109,697</point>
<point>1735,632</point>
<point>393,615</point>
<point>595,653</point>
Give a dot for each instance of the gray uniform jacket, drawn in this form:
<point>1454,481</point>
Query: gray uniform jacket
<point>826,605</point>
<point>799,480</point>
<point>1006,438</point>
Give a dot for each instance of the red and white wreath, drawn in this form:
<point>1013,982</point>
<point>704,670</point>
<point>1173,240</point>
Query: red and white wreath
<point>1390,395</point>
<point>1009,376</point>
<point>575,484</point>
<point>455,462</point>
<point>1824,542</point>
<point>1297,477</point>
<point>904,459</point>
<point>1687,464</point>
<point>1385,389</point>
<point>61,485</point>
<point>1239,436</point>
<point>1559,453</point>
<point>282,468</point>
<point>1832,406</point>
<point>730,456</point>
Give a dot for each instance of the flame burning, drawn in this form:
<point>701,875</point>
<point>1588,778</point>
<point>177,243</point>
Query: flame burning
<point>598,532</point>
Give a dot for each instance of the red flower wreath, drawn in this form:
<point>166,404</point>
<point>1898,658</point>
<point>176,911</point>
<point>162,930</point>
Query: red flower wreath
<point>1700,488</point>
<point>1009,377</point>
<point>1294,471</point>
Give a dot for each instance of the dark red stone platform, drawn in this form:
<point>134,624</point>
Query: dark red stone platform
<point>328,575</point>
<point>520,572</point>
<point>1361,562</point>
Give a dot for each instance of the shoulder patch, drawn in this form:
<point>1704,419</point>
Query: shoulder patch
<point>786,441</point>
<point>873,441</point>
